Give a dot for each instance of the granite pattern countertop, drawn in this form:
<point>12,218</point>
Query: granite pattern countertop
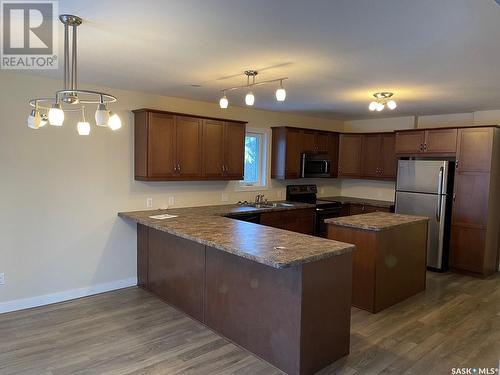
<point>376,221</point>
<point>213,226</point>
<point>354,200</point>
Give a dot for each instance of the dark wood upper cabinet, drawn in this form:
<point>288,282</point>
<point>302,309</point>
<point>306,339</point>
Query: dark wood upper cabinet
<point>350,149</point>
<point>474,246</point>
<point>379,157</point>
<point>234,150</point>
<point>288,145</point>
<point>430,141</point>
<point>170,146</point>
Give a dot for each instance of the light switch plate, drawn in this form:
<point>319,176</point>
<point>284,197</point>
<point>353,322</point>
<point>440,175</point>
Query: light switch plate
<point>171,201</point>
<point>149,202</point>
<point>2,278</point>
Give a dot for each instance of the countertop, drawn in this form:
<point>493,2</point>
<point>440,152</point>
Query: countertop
<point>376,221</point>
<point>213,226</point>
<point>354,200</point>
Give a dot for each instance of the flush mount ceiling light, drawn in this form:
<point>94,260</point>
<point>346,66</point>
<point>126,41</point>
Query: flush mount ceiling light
<point>72,99</point>
<point>382,99</point>
<point>250,97</point>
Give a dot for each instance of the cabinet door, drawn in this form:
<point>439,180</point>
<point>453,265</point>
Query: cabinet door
<point>411,142</point>
<point>441,141</point>
<point>333,151</point>
<point>234,145</point>
<point>470,203</point>
<point>368,208</point>
<point>350,147</point>
<point>322,141</point>
<point>474,149</point>
<point>308,141</point>
<point>213,148</point>
<point>161,145</point>
<point>356,209</point>
<point>188,145</point>
<point>371,155</point>
<point>388,160</point>
<point>293,153</point>
<point>467,248</point>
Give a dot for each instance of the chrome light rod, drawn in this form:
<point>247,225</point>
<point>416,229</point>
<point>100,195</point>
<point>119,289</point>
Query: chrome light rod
<point>254,84</point>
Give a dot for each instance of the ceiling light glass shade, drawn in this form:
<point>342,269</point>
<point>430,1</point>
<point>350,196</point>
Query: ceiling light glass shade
<point>101,115</point>
<point>373,106</point>
<point>281,94</point>
<point>223,102</point>
<point>249,98</point>
<point>114,122</point>
<point>34,119</point>
<point>83,128</point>
<point>379,107</point>
<point>56,115</point>
<point>391,104</point>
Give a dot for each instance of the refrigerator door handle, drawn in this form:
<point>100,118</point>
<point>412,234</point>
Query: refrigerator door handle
<point>440,180</point>
<point>438,208</point>
<point>440,192</point>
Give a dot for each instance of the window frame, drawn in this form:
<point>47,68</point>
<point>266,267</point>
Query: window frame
<point>262,184</point>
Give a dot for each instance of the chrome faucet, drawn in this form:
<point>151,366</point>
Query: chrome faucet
<point>259,198</point>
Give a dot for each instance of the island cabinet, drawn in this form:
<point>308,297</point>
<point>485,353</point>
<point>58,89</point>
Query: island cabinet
<point>389,264</point>
<point>288,145</point>
<point>475,228</point>
<point>171,146</point>
<point>427,142</point>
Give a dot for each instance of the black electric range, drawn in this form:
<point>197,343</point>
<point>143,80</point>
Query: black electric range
<point>324,209</point>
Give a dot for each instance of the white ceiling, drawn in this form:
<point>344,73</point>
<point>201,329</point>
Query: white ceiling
<point>438,56</point>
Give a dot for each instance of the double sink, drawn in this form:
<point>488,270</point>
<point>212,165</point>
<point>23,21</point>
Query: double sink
<point>269,205</point>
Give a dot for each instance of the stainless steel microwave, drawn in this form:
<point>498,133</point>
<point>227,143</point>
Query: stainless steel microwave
<point>315,165</point>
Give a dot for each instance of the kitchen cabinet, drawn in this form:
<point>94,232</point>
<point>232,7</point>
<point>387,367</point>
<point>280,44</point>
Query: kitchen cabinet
<point>378,156</point>
<point>361,208</point>
<point>476,202</point>
<point>429,141</point>
<point>288,145</point>
<point>300,220</point>
<point>350,148</point>
<point>177,147</point>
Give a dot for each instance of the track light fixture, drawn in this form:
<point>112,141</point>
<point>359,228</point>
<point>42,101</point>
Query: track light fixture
<point>382,99</point>
<point>72,99</point>
<point>250,97</point>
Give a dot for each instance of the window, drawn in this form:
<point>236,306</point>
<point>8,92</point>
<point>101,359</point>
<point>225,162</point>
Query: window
<point>255,161</point>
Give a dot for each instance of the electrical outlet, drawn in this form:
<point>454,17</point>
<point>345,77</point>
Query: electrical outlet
<point>321,191</point>
<point>2,278</point>
<point>171,201</point>
<point>224,197</point>
<point>149,202</point>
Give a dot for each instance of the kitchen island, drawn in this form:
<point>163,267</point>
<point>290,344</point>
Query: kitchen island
<point>389,264</point>
<point>282,295</point>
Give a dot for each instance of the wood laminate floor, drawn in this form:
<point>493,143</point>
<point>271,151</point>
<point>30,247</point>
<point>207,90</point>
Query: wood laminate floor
<point>455,323</point>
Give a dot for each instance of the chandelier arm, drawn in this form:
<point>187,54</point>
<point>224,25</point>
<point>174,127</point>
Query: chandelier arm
<point>255,84</point>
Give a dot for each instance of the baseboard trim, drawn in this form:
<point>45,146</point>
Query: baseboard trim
<point>48,299</point>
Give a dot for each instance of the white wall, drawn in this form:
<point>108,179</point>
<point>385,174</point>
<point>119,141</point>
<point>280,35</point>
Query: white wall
<point>385,190</point>
<point>61,192</point>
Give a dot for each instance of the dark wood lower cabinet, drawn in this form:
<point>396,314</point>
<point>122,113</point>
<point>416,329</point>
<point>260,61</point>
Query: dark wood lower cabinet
<point>301,221</point>
<point>297,318</point>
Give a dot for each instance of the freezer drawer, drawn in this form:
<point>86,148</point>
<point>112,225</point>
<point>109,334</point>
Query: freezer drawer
<point>422,176</point>
<point>434,207</point>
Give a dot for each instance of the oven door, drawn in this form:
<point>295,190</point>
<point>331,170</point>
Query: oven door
<point>315,166</point>
<point>321,215</point>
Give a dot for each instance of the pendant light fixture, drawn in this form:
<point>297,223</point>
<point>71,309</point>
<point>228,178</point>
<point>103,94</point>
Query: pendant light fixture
<point>382,99</point>
<point>250,97</point>
<point>71,98</point>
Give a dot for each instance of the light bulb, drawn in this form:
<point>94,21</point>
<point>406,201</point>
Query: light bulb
<point>34,119</point>
<point>391,104</point>
<point>43,121</point>
<point>101,115</point>
<point>114,122</point>
<point>249,98</point>
<point>223,102</point>
<point>380,107</point>
<point>373,106</point>
<point>280,94</point>
<point>56,115</point>
<point>83,128</point>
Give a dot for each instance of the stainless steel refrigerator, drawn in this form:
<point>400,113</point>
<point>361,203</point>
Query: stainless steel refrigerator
<point>425,188</point>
